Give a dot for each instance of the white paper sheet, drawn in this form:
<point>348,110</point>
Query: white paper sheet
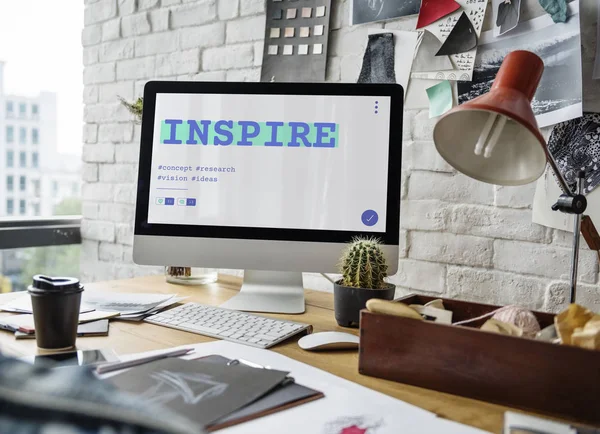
<point>559,94</point>
<point>405,44</point>
<point>22,304</point>
<point>345,403</point>
<point>125,303</point>
<point>547,192</point>
<point>463,62</point>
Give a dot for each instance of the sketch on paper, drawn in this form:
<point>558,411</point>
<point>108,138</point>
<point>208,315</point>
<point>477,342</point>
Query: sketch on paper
<point>191,388</point>
<point>353,425</point>
<point>457,35</point>
<point>505,15</point>
<point>558,97</point>
<point>366,11</point>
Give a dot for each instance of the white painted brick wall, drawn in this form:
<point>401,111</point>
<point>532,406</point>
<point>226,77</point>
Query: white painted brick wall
<point>459,237</point>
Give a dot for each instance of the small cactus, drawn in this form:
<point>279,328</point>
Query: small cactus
<point>135,108</point>
<point>363,264</point>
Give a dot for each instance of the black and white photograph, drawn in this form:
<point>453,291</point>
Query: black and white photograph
<point>506,15</point>
<point>559,95</point>
<point>367,11</point>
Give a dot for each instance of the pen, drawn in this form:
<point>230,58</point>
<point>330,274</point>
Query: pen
<point>109,367</point>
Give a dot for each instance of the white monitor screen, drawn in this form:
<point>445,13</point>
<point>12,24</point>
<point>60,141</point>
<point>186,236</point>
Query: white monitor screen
<point>270,161</point>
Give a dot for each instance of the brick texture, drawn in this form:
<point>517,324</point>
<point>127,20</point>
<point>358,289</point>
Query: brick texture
<point>459,238</point>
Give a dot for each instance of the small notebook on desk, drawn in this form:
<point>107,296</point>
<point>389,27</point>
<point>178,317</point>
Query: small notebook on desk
<point>94,328</point>
<point>212,392</point>
<point>285,396</point>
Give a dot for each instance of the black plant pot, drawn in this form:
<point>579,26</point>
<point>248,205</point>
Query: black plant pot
<point>348,301</point>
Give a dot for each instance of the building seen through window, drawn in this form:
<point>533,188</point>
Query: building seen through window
<point>41,129</point>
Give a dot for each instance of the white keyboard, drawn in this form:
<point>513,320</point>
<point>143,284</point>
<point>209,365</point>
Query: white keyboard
<point>231,325</point>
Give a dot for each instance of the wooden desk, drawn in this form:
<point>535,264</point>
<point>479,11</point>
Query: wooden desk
<point>129,337</point>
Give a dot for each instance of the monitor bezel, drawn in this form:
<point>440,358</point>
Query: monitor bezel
<point>152,88</point>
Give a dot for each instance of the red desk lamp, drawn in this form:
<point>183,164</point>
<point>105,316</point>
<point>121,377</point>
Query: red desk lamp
<point>494,138</point>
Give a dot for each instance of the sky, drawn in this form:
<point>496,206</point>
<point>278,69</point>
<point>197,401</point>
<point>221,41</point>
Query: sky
<point>40,43</point>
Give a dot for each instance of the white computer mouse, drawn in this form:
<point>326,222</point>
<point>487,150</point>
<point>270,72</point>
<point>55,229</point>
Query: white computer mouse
<point>329,341</point>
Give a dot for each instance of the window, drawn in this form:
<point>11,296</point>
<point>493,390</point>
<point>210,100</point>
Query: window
<point>22,109</point>
<point>22,135</point>
<point>35,111</point>
<point>22,183</point>
<point>54,188</point>
<point>36,209</point>
<point>22,207</point>
<point>34,160</point>
<point>10,206</point>
<point>10,109</point>
<point>10,134</point>
<point>36,187</point>
<point>35,136</point>
<point>10,183</point>
<point>22,159</point>
<point>10,159</point>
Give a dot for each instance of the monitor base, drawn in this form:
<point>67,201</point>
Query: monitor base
<point>269,291</point>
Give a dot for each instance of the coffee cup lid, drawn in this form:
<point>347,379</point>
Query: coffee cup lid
<point>47,283</point>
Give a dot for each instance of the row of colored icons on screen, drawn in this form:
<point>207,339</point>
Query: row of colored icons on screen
<point>181,201</point>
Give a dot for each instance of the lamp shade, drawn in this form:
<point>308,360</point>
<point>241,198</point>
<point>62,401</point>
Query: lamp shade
<point>494,138</point>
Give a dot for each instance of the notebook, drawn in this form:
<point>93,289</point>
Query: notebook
<point>204,392</point>
<point>94,328</point>
<point>283,397</point>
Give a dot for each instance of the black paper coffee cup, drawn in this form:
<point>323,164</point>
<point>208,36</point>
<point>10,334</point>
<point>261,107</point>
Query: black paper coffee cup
<point>55,302</point>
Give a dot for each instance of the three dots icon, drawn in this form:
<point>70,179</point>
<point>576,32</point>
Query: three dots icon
<point>376,107</point>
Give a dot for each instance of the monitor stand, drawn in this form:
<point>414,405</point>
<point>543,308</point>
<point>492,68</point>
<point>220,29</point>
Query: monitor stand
<point>269,291</point>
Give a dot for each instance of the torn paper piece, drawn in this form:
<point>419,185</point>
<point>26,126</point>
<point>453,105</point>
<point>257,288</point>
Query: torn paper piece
<point>505,15</point>
<point>405,44</point>
<point>559,96</point>
<point>462,63</point>
<point>461,39</point>
<point>440,99</point>
<point>433,10</point>
<point>426,59</point>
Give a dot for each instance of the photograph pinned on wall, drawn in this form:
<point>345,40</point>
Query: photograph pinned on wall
<point>385,57</point>
<point>368,11</point>
<point>559,94</point>
<point>296,38</point>
<point>448,46</point>
<point>505,15</point>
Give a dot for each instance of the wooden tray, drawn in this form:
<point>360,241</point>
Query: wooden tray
<point>558,380</point>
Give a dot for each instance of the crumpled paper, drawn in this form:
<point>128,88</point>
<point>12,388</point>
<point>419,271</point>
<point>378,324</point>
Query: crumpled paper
<point>556,8</point>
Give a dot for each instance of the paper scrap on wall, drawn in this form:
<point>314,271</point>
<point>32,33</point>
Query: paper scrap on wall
<point>575,146</point>
<point>455,37</point>
<point>433,10</point>
<point>404,48</point>
<point>505,15</point>
<point>440,98</point>
<point>559,95</point>
<point>367,11</point>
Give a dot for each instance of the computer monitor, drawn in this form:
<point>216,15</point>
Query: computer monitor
<point>273,178</point>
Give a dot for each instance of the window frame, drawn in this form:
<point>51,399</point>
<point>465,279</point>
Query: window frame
<point>17,233</point>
